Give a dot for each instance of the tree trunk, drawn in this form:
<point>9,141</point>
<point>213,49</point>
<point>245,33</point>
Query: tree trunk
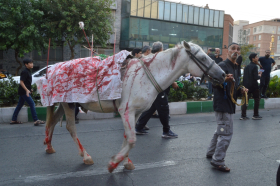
<point>72,50</point>
<point>18,61</point>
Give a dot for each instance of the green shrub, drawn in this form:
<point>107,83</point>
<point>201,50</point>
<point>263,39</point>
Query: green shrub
<point>9,93</point>
<point>273,89</point>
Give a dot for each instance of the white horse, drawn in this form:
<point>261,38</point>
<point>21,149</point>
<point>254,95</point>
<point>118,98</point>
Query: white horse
<point>138,94</point>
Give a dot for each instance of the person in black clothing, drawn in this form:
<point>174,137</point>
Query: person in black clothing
<point>250,77</point>
<point>137,52</point>
<point>224,109</point>
<point>24,91</point>
<point>160,104</point>
<point>238,63</point>
<point>216,57</point>
<point>266,62</point>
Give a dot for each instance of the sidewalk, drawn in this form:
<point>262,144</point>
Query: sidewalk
<point>176,108</point>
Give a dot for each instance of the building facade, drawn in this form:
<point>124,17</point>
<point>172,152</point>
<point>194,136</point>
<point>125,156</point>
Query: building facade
<point>145,21</point>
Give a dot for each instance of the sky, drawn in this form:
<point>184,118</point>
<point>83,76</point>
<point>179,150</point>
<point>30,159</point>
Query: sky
<point>252,11</point>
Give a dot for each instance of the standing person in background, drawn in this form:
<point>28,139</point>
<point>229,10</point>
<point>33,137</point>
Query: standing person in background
<point>146,50</point>
<point>250,81</point>
<point>24,91</point>
<point>216,57</point>
<point>267,63</point>
<point>137,52</point>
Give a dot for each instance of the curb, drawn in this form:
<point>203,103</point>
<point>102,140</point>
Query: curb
<point>176,108</point>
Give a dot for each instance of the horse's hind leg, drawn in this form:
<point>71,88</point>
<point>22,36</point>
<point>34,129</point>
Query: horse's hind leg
<point>69,109</point>
<point>52,119</point>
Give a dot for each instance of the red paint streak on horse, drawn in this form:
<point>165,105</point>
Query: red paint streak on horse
<point>124,135</point>
<point>126,115</point>
<point>80,145</point>
<point>149,62</point>
<point>47,140</point>
<point>173,62</point>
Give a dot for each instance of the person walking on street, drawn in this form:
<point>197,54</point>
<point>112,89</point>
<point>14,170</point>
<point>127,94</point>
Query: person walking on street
<point>137,52</point>
<point>250,81</point>
<point>267,63</point>
<point>216,57</point>
<point>24,91</point>
<point>146,50</point>
<point>160,104</point>
<point>224,109</point>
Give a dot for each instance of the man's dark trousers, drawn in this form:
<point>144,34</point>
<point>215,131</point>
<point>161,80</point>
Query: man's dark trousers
<point>264,84</point>
<point>256,96</point>
<point>162,107</point>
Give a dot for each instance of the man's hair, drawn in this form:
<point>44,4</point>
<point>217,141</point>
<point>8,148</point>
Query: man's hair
<point>252,55</point>
<point>136,51</point>
<point>232,44</point>
<point>27,60</point>
<point>145,49</point>
<point>157,46</point>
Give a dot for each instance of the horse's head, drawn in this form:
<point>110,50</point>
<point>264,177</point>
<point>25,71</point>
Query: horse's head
<point>202,64</point>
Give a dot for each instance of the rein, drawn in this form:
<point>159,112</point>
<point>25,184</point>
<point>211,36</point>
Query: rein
<point>244,97</point>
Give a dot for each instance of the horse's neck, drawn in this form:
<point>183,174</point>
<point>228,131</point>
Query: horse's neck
<point>166,67</point>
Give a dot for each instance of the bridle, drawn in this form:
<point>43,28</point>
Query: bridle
<point>201,65</point>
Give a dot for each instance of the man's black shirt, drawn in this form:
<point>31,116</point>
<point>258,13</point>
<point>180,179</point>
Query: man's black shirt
<point>250,77</point>
<point>26,77</point>
<point>216,59</point>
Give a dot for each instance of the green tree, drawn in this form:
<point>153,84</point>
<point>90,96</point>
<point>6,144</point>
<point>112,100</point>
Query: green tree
<point>20,28</point>
<point>245,52</point>
<point>61,18</point>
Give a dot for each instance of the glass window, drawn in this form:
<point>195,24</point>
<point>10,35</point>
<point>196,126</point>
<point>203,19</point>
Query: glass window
<point>278,48</point>
<point>165,46</point>
<point>139,44</point>
<point>196,15</point>
<point>144,29</point>
<point>278,38</point>
<point>179,12</point>
<point>174,32</point>
<point>260,37</point>
<point>211,18</point>
<point>173,12</point>
<point>191,11</point>
<point>221,19</point>
<point>154,12</point>
<point>201,16</point>
<point>216,18</point>
<point>134,29</point>
<point>131,44</point>
<point>259,45</point>
<point>160,9</point>
<point>124,29</point>
<point>155,30</point>
<point>133,7</point>
<point>254,38</point>
<point>255,30</point>
<point>140,12</point>
<point>279,30</point>
<point>260,28</point>
<point>206,17</point>
<point>185,13</point>
<point>248,31</point>
<point>167,11</point>
<point>147,12</point>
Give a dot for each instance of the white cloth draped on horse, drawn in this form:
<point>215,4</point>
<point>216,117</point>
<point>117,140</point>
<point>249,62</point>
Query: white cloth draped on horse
<point>76,80</point>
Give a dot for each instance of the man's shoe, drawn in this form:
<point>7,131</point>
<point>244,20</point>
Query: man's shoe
<point>169,134</point>
<point>209,156</point>
<point>244,118</point>
<point>141,131</point>
<point>256,117</point>
<point>146,127</point>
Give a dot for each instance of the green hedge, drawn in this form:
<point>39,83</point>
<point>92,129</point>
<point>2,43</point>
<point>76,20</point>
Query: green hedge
<point>189,91</point>
<point>9,93</point>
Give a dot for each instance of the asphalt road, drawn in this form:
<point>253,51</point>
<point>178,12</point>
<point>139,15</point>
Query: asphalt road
<point>252,154</point>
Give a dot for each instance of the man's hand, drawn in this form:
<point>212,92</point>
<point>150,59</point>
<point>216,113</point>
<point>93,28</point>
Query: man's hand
<point>27,93</point>
<point>175,86</point>
<point>229,78</point>
<point>244,90</point>
<point>260,73</point>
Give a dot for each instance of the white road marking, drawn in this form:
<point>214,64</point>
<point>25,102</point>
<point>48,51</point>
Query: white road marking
<point>95,172</point>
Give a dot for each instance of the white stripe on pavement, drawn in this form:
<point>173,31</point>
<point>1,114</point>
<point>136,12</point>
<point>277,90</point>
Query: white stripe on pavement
<point>95,172</point>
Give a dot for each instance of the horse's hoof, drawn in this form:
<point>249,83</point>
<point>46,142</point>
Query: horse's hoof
<point>88,161</point>
<point>112,166</point>
<point>50,151</point>
<point>129,166</point>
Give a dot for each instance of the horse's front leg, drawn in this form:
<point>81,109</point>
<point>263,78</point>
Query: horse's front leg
<point>69,109</point>
<point>127,162</point>
<point>52,119</point>
<point>128,117</point>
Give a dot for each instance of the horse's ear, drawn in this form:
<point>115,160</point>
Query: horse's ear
<point>186,45</point>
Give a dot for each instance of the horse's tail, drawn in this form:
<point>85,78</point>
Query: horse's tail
<point>50,113</point>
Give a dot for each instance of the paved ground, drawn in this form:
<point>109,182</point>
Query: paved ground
<point>252,155</point>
